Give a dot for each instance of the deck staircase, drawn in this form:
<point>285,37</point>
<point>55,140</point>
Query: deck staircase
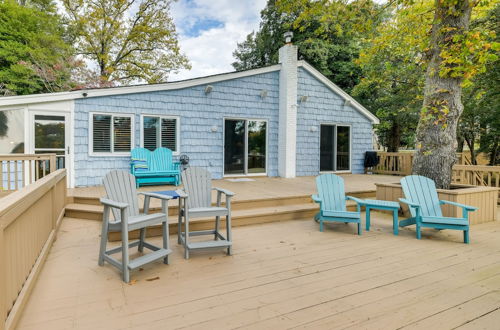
<point>245,212</point>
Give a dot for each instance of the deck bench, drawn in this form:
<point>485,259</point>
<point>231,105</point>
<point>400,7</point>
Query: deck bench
<point>154,168</point>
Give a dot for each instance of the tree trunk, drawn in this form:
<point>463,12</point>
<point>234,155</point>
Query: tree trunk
<point>395,138</point>
<point>436,138</point>
<point>461,142</point>
<point>494,157</point>
<point>470,144</point>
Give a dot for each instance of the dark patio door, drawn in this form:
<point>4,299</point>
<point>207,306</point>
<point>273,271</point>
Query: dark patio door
<point>335,148</point>
<point>245,147</point>
<point>234,147</point>
<point>327,148</point>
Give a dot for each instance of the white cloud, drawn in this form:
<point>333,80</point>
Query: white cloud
<point>209,31</point>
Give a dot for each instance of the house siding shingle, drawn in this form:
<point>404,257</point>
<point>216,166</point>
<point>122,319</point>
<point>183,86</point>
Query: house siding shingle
<point>324,106</point>
<point>237,98</point>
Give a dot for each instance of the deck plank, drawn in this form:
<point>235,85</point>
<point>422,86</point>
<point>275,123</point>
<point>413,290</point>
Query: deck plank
<point>282,275</point>
<point>487,320</point>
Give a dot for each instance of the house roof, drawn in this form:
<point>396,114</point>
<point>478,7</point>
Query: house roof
<point>9,101</point>
<point>120,90</point>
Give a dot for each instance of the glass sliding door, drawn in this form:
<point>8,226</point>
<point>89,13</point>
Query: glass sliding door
<point>245,146</point>
<point>343,148</point>
<point>327,148</point>
<point>256,147</point>
<point>234,147</point>
<point>335,148</point>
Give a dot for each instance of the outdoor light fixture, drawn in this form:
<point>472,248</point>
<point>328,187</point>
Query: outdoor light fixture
<point>209,89</point>
<point>347,103</point>
<point>213,129</point>
<point>313,129</point>
<point>303,98</point>
<point>263,93</point>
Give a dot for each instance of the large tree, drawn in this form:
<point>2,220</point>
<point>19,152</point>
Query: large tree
<point>34,54</point>
<point>455,54</point>
<point>127,41</point>
<point>332,49</point>
<point>394,76</point>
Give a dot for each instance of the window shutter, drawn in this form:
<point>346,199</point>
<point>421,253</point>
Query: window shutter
<point>150,133</point>
<point>101,133</point>
<point>122,134</point>
<point>168,133</point>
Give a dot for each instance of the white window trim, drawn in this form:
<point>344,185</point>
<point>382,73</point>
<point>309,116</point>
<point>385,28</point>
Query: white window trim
<point>350,147</point>
<point>246,174</point>
<point>177,131</point>
<point>91,134</point>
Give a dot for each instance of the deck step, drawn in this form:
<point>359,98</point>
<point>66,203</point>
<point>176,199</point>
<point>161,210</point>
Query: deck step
<point>147,258</point>
<point>236,204</point>
<point>84,211</point>
<point>240,218</point>
<point>302,209</point>
<point>94,212</point>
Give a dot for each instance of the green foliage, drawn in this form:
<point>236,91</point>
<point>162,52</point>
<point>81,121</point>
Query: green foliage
<point>393,73</point>
<point>331,49</point>
<point>466,54</point>
<point>34,56</point>
<point>481,116</point>
<point>129,40</point>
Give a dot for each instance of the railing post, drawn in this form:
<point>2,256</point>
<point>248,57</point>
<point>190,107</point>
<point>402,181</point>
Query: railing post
<point>52,163</point>
<point>53,206</point>
<point>1,175</point>
<point>3,279</point>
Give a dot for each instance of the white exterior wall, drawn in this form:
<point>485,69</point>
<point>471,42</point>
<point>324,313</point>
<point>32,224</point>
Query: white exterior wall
<point>287,135</point>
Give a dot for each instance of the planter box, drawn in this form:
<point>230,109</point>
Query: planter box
<point>485,198</point>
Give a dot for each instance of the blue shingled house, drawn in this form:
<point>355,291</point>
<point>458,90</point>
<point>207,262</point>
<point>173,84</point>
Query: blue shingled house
<point>282,120</point>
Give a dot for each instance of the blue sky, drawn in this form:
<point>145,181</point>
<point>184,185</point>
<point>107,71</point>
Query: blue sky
<point>209,30</point>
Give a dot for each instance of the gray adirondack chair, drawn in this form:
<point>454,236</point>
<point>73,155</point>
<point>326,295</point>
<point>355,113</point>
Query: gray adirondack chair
<point>196,202</point>
<point>122,200</point>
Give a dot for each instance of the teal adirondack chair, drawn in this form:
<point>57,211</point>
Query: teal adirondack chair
<point>425,207</point>
<point>332,199</point>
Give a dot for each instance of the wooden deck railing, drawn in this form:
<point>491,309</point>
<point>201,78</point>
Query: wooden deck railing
<point>399,163</point>
<point>19,170</point>
<point>29,219</point>
<point>477,175</point>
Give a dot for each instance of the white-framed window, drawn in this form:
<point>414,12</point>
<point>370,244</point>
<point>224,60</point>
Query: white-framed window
<point>111,134</point>
<point>160,131</point>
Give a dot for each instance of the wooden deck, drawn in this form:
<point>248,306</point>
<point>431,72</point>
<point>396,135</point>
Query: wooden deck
<point>282,275</point>
<point>264,187</point>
